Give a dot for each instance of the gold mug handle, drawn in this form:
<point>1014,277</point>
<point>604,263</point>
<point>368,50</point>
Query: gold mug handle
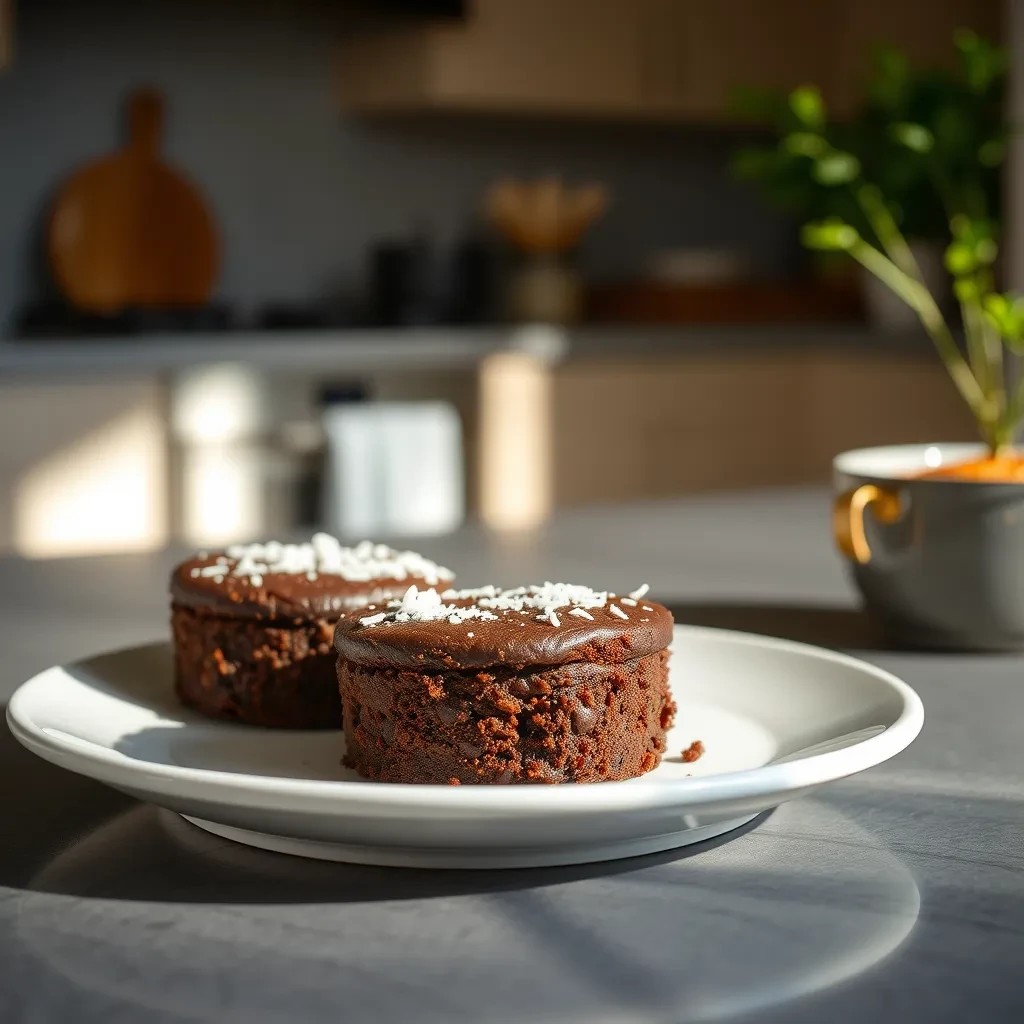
<point>848,518</point>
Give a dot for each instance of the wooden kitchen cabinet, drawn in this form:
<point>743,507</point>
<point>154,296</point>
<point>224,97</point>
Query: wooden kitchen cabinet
<point>696,56</point>
<point>6,32</point>
<point>630,429</point>
<point>668,60</point>
<point>571,56</point>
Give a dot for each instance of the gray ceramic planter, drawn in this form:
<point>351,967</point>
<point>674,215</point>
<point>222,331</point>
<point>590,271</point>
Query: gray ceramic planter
<point>940,562</point>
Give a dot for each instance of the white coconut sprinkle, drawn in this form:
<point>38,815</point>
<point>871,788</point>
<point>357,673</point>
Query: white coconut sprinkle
<point>325,555</point>
<point>471,634</point>
<point>647,608</point>
<point>628,602</point>
<point>485,603</point>
<point>639,592</point>
<point>194,573</point>
<point>256,579</point>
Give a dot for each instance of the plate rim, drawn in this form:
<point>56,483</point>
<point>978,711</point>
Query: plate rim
<point>735,787</point>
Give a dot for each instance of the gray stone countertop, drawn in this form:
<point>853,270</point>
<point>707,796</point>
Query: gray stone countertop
<point>896,895</point>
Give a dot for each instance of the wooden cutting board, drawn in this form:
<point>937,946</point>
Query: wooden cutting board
<point>130,231</point>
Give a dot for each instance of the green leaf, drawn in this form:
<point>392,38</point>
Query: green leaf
<point>914,136</point>
<point>891,79</point>
<point>836,168</point>
<point>805,144</point>
<point>808,107</point>
<point>986,251</point>
<point>960,259</point>
<point>1006,314</point>
<point>966,290</point>
<point>758,104</point>
<point>981,62</point>
<point>992,153</point>
<point>829,235</point>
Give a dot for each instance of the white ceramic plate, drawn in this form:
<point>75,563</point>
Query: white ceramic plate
<point>777,719</point>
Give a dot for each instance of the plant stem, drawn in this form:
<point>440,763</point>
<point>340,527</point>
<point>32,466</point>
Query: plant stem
<point>915,295</point>
<point>886,229</point>
<point>980,381</point>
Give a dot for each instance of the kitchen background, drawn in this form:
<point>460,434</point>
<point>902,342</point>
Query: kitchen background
<point>369,355</point>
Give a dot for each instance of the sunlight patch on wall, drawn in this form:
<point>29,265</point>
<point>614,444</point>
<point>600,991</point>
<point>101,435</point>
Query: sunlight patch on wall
<point>105,492</point>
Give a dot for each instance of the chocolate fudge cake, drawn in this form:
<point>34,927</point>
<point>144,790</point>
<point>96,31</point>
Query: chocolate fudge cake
<point>552,683</point>
<point>252,625</point>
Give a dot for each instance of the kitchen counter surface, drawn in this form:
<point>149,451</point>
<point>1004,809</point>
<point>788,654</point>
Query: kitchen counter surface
<point>892,896</point>
<point>372,350</point>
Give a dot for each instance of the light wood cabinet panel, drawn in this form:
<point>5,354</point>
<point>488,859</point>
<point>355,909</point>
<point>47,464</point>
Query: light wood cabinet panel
<point>697,55</point>
<point>6,33</point>
<point>857,401</point>
<point>670,60</point>
<point>570,56</point>
<point>620,430</point>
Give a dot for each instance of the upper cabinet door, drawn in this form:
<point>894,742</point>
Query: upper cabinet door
<point>923,29</point>
<point>675,60</point>
<point>6,32</point>
<point>522,56</point>
<point>696,55</point>
<point>572,56</point>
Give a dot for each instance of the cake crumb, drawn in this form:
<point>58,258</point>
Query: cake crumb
<point>693,752</point>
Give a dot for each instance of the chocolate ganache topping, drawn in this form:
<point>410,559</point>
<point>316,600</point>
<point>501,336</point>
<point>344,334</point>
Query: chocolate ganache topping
<point>553,624</point>
<point>275,581</point>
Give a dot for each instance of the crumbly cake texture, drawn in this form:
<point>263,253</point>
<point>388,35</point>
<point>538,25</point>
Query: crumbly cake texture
<point>552,683</point>
<point>252,625</point>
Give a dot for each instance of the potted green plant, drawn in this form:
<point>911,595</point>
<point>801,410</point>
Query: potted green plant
<point>961,111</point>
<point>935,533</point>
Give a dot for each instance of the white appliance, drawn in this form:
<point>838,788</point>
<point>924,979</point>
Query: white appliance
<point>393,468</point>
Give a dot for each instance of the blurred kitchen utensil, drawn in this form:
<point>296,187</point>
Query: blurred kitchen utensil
<point>545,221</point>
<point>698,266</point>
<point>544,216</point>
<point>393,468</point>
<point>130,231</point>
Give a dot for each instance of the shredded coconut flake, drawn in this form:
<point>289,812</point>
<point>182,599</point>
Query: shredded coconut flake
<point>325,555</point>
<point>647,608</point>
<point>639,592</point>
<point>539,603</point>
<point>628,602</point>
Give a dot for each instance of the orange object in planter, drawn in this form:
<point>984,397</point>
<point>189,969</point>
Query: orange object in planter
<point>991,469</point>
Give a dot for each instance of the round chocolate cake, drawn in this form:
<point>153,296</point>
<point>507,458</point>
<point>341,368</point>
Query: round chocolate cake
<point>252,625</point>
<point>552,683</point>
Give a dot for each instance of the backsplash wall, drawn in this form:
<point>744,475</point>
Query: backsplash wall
<point>299,190</point>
